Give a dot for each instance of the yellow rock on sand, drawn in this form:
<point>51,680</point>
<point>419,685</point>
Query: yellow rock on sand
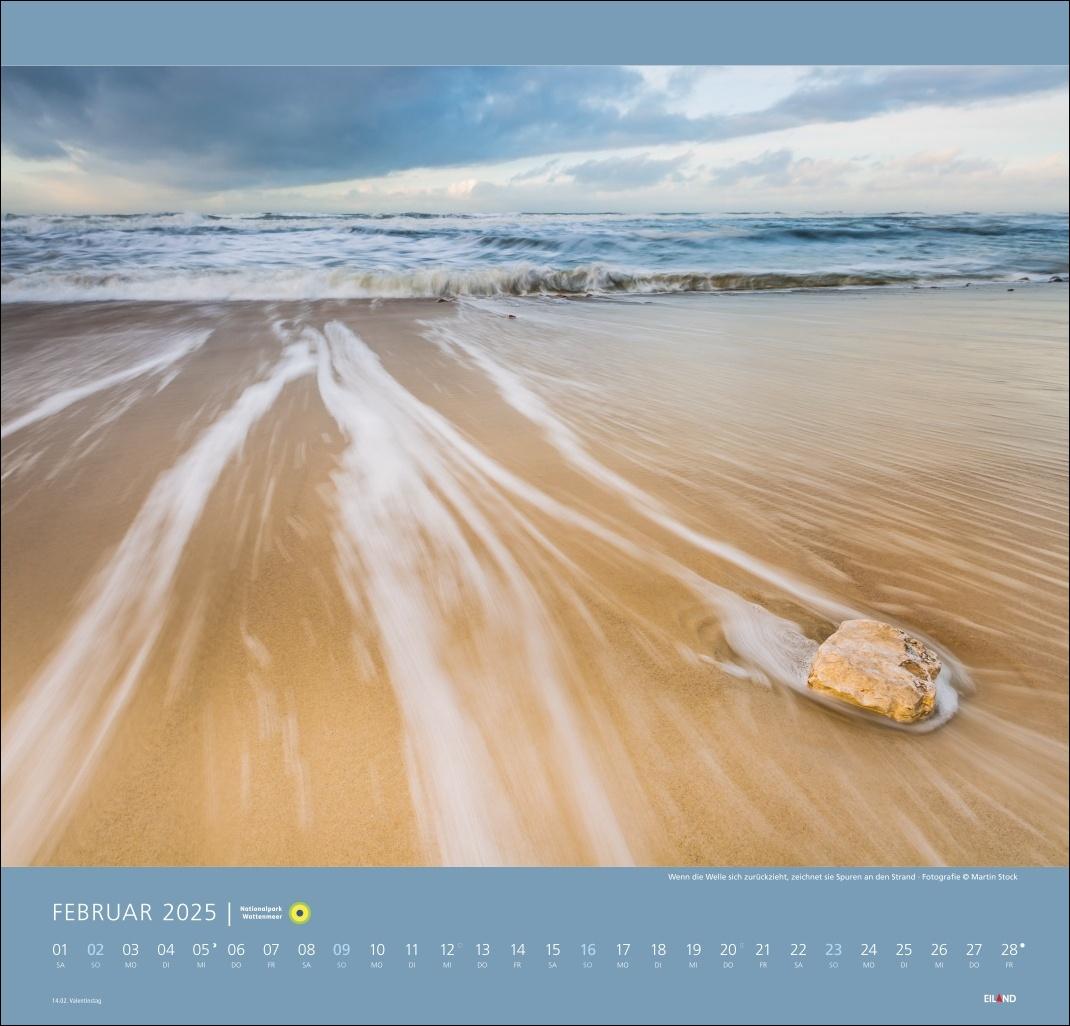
<point>879,668</point>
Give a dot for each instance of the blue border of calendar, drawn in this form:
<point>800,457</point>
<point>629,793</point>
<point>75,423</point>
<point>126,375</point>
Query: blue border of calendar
<point>732,944</point>
<point>39,32</point>
<point>570,903</point>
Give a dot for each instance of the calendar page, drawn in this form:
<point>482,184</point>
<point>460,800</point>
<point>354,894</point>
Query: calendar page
<point>534,513</point>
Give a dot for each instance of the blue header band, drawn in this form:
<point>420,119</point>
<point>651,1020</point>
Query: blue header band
<point>38,32</point>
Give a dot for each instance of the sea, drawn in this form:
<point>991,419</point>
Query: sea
<point>278,256</point>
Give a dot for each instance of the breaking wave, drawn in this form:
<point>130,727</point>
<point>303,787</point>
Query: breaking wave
<point>277,256</point>
<point>432,283</point>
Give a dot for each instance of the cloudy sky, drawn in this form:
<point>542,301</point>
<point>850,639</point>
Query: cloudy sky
<point>545,138</point>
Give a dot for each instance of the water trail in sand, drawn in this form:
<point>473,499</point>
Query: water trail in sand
<point>419,533</point>
<point>509,583</point>
<point>425,519</point>
<point>53,737</point>
<point>470,325</point>
<point>771,646</point>
<point>184,344</point>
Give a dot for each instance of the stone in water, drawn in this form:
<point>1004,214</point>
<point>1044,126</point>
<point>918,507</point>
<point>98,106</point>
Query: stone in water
<point>879,668</point>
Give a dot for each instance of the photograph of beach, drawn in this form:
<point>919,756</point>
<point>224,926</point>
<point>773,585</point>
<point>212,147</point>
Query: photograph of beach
<point>551,466</point>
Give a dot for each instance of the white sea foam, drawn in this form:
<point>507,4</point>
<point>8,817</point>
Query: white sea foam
<point>184,343</point>
<point>406,494</point>
<point>306,284</point>
<point>54,735</point>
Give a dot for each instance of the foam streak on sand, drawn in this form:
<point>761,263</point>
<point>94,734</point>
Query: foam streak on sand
<point>53,739</point>
<point>408,492</point>
<point>183,344</point>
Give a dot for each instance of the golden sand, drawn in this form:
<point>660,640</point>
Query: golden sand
<point>350,583</point>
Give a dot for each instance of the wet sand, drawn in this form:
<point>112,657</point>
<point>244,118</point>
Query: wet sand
<point>405,582</point>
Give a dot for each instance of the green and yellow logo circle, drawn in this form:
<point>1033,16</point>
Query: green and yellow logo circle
<point>300,913</point>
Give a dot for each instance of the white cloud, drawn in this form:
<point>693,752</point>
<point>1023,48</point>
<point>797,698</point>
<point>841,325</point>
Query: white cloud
<point>997,154</point>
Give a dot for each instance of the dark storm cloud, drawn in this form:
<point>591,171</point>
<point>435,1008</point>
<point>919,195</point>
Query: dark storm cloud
<point>220,127</point>
<point>217,128</point>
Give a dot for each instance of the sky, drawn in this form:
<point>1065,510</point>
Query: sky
<point>496,139</point>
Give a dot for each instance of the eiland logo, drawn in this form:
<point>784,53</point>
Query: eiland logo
<point>1000,999</point>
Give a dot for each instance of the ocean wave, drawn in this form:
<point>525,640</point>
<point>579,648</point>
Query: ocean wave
<point>285,254</point>
<point>42,286</point>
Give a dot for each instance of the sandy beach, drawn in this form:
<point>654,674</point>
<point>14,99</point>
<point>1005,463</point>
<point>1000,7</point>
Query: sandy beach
<point>530,581</point>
